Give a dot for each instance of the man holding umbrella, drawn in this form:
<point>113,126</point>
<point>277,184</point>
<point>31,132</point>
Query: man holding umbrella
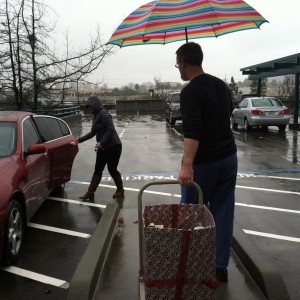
<point>209,155</point>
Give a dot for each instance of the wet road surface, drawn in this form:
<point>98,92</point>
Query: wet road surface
<point>267,208</point>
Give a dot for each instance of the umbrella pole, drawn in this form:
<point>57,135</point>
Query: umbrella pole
<point>186,35</point>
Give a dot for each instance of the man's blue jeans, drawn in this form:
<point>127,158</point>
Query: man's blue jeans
<point>217,181</point>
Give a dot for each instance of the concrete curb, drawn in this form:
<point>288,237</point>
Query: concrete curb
<point>89,269</point>
<point>259,266</point>
<point>294,126</point>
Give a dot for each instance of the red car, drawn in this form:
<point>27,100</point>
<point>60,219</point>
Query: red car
<point>36,156</point>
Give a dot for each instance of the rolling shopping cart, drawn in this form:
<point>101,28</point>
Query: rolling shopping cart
<point>176,250</point>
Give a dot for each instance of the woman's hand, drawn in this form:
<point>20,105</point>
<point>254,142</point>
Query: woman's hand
<point>98,146</point>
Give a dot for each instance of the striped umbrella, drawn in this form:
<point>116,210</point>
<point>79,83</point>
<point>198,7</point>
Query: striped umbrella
<point>165,21</point>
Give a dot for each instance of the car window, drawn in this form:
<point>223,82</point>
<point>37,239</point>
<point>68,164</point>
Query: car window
<point>265,102</point>
<point>8,134</point>
<point>48,128</point>
<point>244,103</point>
<point>64,128</point>
<point>30,135</point>
<point>275,102</point>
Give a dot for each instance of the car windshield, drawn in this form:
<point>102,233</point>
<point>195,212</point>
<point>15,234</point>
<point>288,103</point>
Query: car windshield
<point>266,102</point>
<point>7,138</point>
<point>176,98</point>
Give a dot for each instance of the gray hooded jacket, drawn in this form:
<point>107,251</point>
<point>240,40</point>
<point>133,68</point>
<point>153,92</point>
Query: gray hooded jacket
<point>103,127</point>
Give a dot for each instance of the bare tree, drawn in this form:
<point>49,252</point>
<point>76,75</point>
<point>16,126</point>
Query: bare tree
<point>161,89</point>
<point>286,88</point>
<point>10,50</point>
<point>29,66</point>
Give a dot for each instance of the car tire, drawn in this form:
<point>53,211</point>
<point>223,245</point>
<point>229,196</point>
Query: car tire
<point>246,124</point>
<point>282,127</point>
<point>233,123</point>
<point>14,232</point>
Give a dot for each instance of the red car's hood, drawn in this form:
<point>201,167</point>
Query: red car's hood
<point>4,162</point>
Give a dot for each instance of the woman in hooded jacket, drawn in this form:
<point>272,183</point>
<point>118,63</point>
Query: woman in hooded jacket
<point>108,147</point>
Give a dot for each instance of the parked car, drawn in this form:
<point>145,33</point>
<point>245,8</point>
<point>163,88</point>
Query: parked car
<point>173,108</point>
<point>36,156</point>
<point>260,111</point>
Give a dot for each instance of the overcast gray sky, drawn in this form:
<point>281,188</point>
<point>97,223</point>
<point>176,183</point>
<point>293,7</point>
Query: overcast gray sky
<point>223,56</point>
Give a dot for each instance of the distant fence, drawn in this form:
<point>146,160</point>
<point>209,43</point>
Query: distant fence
<point>141,106</point>
<point>120,106</point>
<point>58,112</point>
<point>133,106</point>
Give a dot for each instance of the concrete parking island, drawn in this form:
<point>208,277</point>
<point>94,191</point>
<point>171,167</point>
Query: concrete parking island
<point>259,266</point>
<point>89,269</point>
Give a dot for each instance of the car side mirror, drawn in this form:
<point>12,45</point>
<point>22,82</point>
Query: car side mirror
<point>35,149</point>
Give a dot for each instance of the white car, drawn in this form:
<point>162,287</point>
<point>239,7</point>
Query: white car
<point>260,111</point>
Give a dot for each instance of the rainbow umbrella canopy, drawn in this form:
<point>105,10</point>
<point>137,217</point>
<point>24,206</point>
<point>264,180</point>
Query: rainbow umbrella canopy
<point>166,21</point>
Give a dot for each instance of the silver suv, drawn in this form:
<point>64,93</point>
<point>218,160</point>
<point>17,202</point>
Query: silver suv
<point>173,108</point>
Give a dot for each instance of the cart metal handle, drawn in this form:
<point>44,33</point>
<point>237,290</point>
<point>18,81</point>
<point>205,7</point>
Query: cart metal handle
<point>140,215</point>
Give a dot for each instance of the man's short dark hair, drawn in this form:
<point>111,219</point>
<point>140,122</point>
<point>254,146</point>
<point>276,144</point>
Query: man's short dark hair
<point>191,52</point>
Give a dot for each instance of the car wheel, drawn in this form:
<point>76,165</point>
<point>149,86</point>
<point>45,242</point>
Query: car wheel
<point>14,232</point>
<point>282,127</point>
<point>233,123</point>
<point>247,126</point>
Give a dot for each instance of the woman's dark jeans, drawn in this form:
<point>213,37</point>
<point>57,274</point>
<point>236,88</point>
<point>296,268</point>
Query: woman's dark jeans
<point>109,157</point>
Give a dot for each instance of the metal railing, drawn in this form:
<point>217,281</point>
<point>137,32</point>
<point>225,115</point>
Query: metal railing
<point>59,112</point>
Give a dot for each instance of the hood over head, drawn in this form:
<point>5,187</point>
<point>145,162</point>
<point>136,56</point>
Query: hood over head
<point>94,102</point>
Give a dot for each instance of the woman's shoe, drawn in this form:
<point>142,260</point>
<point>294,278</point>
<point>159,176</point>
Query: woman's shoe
<point>88,196</point>
<point>119,193</point>
<point>119,184</point>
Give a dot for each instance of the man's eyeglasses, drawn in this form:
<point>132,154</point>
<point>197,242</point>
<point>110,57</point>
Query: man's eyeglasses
<point>178,61</point>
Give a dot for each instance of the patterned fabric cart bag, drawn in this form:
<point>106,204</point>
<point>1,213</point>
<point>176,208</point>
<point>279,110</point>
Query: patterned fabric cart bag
<point>179,252</point>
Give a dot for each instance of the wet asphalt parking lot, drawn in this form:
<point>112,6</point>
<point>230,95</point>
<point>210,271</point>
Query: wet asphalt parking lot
<point>267,206</point>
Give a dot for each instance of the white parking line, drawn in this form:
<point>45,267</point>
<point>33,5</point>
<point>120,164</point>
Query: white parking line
<point>273,236</point>
<point>146,191</point>
<point>179,134</point>
<point>267,190</point>
<point>268,208</point>
<point>37,277</point>
<point>176,195</point>
<point>126,189</point>
<point>121,134</point>
<point>59,230</point>
<point>277,177</point>
<point>77,202</point>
